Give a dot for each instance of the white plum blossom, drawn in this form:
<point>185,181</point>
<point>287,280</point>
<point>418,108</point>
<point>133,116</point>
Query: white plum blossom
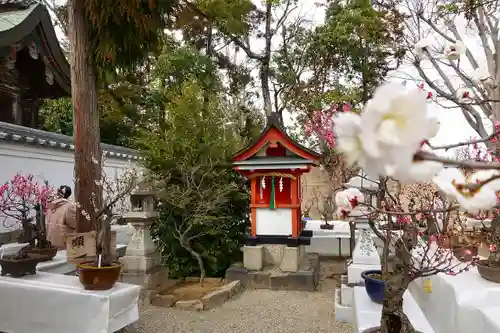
<point>455,50</point>
<point>348,131</point>
<point>394,123</point>
<point>384,139</point>
<point>344,207</point>
<point>394,117</point>
<point>490,178</point>
<point>347,200</point>
<point>418,169</point>
<point>464,95</point>
<point>354,196</point>
<point>433,129</point>
<point>459,187</point>
<point>422,46</point>
<point>482,76</point>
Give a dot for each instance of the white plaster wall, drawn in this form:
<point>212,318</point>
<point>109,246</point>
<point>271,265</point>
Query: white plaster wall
<point>274,222</point>
<point>45,163</point>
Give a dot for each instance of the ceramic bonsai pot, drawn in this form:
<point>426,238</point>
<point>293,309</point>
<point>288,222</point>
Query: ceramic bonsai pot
<point>465,252</point>
<point>49,252</point>
<point>488,273</point>
<point>21,265</point>
<point>374,287</point>
<point>93,277</point>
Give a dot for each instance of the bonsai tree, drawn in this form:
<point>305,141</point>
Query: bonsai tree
<point>414,258</point>
<point>23,199</point>
<point>324,204</point>
<point>391,138</point>
<point>112,192</point>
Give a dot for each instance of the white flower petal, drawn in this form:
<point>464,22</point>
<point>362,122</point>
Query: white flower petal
<point>433,129</point>
<point>445,179</point>
<point>485,199</point>
<point>485,175</point>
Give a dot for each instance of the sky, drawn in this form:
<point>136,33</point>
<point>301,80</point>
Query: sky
<point>453,126</point>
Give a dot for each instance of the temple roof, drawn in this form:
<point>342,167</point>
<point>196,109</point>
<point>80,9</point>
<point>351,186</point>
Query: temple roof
<point>29,20</point>
<point>275,133</point>
<point>37,138</point>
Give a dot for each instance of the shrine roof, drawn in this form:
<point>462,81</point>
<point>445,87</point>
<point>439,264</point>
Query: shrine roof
<point>265,160</point>
<point>274,132</point>
<point>20,21</point>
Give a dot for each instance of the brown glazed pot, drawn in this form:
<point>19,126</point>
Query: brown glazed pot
<point>459,251</point>
<point>488,273</point>
<point>21,267</point>
<point>50,252</point>
<point>98,278</point>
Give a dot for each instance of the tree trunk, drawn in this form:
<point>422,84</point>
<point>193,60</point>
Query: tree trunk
<point>394,320</point>
<point>265,63</point>
<point>86,114</point>
<point>104,240</point>
<point>494,257</point>
<point>185,244</point>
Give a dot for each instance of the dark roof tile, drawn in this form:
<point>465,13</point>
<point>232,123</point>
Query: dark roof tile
<point>21,4</point>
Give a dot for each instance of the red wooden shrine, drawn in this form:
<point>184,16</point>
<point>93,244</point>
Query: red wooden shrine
<point>275,163</point>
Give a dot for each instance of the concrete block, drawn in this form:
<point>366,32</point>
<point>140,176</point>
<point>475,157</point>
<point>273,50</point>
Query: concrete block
<point>343,313</point>
<point>273,254</point>
<point>345,295</point>
<point>253,257</point>
<point>290,260</point>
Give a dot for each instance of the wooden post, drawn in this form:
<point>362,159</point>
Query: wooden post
<point>253,210</point>
<point>295,210</point>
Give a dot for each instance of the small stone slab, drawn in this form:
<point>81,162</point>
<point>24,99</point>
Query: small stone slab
<point>215,298</point>
<point>209,301</point>
<point>233,288</point>
<point>196,305</point>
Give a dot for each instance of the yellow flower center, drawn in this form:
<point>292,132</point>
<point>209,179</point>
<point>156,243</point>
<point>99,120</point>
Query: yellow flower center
<point>464,190</point>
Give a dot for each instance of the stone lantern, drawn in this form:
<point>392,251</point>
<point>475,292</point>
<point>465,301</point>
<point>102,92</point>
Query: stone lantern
<point>141,255</point>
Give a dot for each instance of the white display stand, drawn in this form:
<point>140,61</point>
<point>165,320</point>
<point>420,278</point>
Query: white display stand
<point>463,303</point>
<point>364,257</point>
<point>335,242</point>
<point>367,314</point>
<point>53,303</point>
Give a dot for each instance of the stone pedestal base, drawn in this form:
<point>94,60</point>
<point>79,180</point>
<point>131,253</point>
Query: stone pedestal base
<point>253,257</point>
<point>140,264</point>
<point>304,279</point>
<point>151,282</point>
<point>290,259</point>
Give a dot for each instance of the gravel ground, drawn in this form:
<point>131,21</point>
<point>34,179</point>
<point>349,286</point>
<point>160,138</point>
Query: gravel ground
<point>253,311</point>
